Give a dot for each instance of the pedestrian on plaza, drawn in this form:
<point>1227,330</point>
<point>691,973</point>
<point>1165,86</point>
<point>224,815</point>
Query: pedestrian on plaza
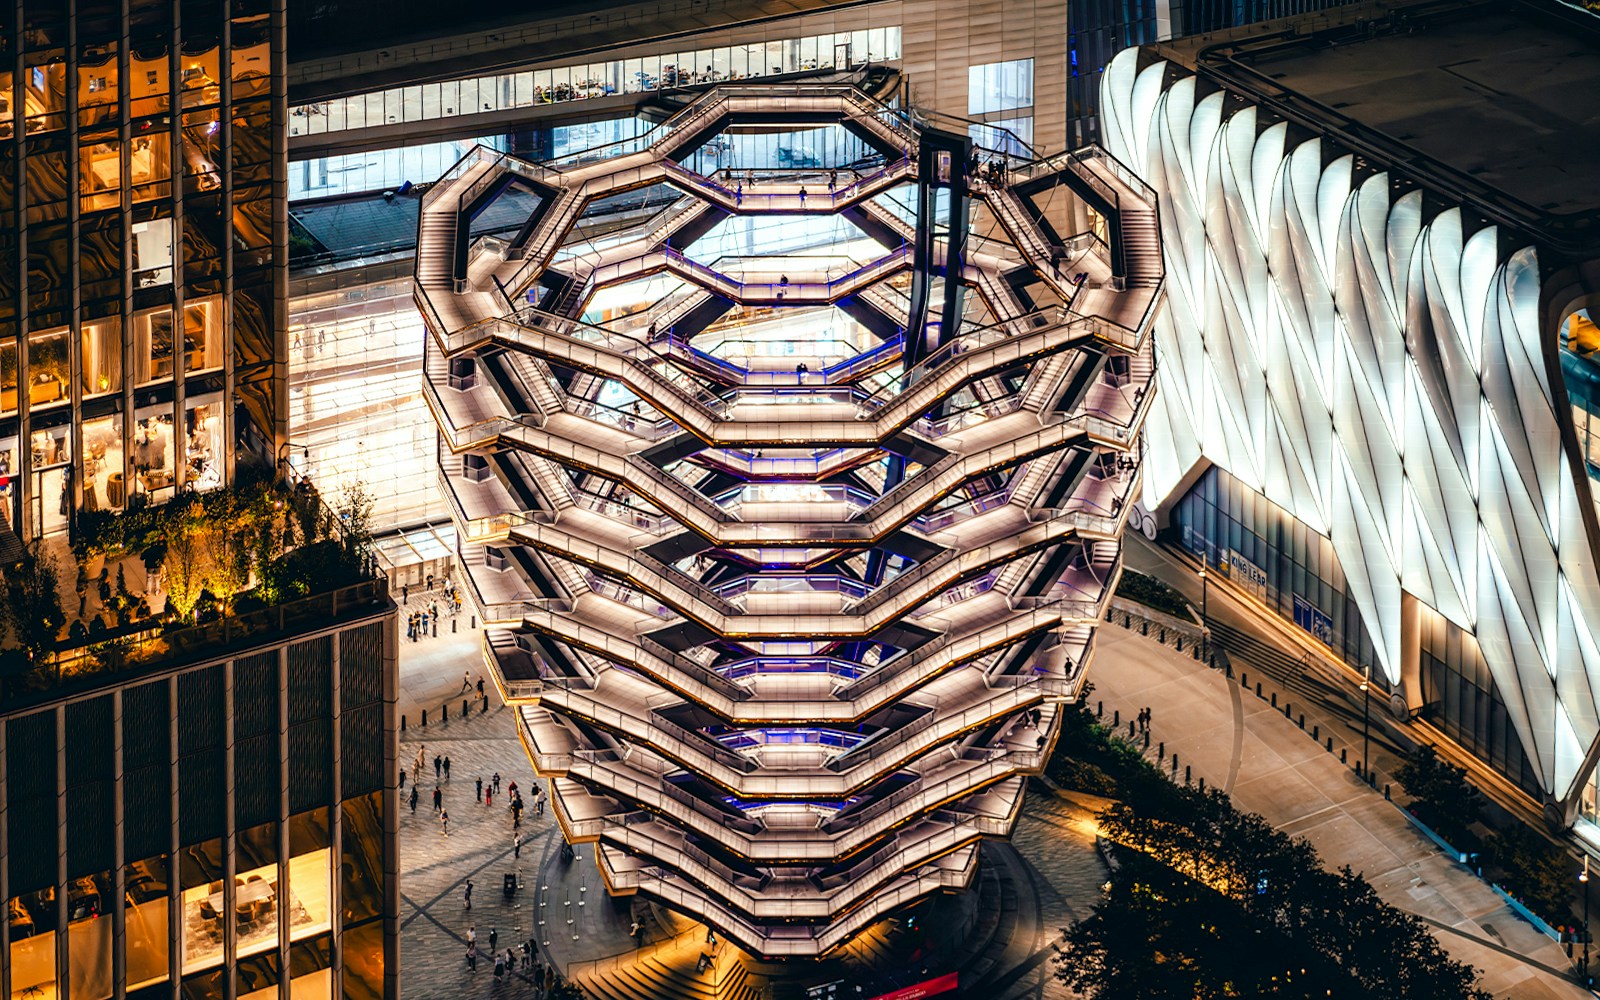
<point>472,935</point>
<point>466,680</point>
<point>539,804</point>
<point>511,960</point>
<point>494,939</point>
<point>468,897</point>
<point>405,593</point>
<point>480,789</point>
<point>430,583</point>
<point>512,788</point>
<point>488,796</point>
<point>444,823</point>
<point>497,781</point>
<point>802,196</point>
<point>516,846</point>
<point>438,762</point>
<point>402,779</point>
<point>738,193</point>
<point>433,612</point>
<point>499,967</point>
<point>480,687</point>
<point>472,958</point>
<point>438,800</point>
<point>413,800</point>
<point>322,340</point>
<point>711,935</point>
<point>447,768</point>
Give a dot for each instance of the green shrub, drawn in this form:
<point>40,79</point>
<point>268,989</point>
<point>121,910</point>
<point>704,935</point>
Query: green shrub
<point>1444,800</point>
<point>1538,873</point>
<point>1153,593</point>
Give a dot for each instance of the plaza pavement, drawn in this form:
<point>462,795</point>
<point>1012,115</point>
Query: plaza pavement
<point>1239,742</point>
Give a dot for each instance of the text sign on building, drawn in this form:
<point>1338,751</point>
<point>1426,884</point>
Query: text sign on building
<point>1247,574</point>
<point>932,987</point>
<point>1309,617</point>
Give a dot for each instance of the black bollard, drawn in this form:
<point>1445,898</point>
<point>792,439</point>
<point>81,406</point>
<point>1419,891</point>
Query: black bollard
<point>484,710</point>
<point>424,717</point>
<point>1244,678</point>
<point>1174,763</point>
<point>402,723</point>
<point>1258,689</point>
<point>1288,711</point>
<point>1316,733</point>
<point>452,626</point>
<point>463,708</point>
<point>1330,744</point>
<point>1186,770</point>
<point>436,628</point>
<point>1116,718</point>
<point>1274,699</point>
<point>1099,709</point>
<point>474,621</point>
<point>1131,732</point>
<point>444,712</point>
<point>1302,720</point>
<point>1202,783</point>
<point>1147,739</point>
<point>1344,757</point>
<point>1386,791</point>
<point>1161,751</point>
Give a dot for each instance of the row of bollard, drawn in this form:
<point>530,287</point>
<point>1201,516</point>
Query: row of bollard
<point>444,711</point>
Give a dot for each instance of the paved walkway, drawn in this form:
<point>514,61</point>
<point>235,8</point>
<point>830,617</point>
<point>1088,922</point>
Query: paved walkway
<point>1270,766</point>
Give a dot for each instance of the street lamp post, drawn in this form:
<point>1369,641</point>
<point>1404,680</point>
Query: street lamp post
<point>1583,887</point>
<point>1205,619</point>
<point>1366,716</point>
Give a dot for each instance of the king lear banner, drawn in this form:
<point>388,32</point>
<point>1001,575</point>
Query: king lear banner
<point>944,984</point>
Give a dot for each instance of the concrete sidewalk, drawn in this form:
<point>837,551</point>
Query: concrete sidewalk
<point>1240,743</point>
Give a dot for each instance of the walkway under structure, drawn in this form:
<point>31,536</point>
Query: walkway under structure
<point>790,497</point>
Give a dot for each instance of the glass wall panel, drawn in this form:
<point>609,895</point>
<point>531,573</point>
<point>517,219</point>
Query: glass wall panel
<point>48,368</point>
<point>102,357</point>
<point>310,969</point>
<point>362,870</point>
<point>152,255</point>
<point>99,175</point>
<point>202,427</point>
<point>153,451</point>
<point>146,922</point>
<point>89,937</point>
<point>363,962</point>
<point>258,903</point>
<point>999,86</point>
<point>202,335</point>
<point>103,485</point>
<point>310,875</point>
<point>150,163</point>
<point>152,345</point>
<point>8,376</point>
<point>33,944</point>
<point>147,85</point>
<point>201,873</point>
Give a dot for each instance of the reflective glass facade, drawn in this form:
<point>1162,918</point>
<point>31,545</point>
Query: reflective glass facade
<point>260,852</point>
<point>139,301</point>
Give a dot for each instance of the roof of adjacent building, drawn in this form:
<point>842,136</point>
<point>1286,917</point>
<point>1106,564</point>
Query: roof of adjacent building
<point>1501,95</point>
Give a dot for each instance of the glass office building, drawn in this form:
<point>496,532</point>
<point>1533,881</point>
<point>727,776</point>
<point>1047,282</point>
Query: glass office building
<point>141,252</point>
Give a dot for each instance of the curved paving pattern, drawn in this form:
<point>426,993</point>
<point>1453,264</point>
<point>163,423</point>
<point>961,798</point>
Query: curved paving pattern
<point>787,641</point>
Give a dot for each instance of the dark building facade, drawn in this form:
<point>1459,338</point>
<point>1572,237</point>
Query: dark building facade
<point>136,815</point>
<point>143,250</point>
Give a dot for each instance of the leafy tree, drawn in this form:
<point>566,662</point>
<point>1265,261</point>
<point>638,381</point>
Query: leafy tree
<point>185,567</point>
<point>1540,874</point>
<point>1444,800</point>
<point>33,612</point>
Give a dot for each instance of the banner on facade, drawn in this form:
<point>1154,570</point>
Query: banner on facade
<point>1247,574</point>
<point>1310,617</point>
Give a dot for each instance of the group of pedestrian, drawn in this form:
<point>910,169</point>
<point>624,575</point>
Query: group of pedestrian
<point>524,957</point>
<point>1143,720</point>
<point>418,622</point>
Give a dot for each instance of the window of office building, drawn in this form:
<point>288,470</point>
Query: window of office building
<point>258,902</point>
<point>202,335</point>
<point>103,485</point>
<point>153,451</point>
<point>102,357</point>
<point>152,345</point>
<point>310,872</point>
<point>201,873</point>
<point>202,427</point>
<point>999,86</point>
<point>585,81</point>
<point>8,376</point>
<point>146,923</point>
<point>44,94</point>
<point>152,252</point>
<point>1010,136</point>
<point>33,943</point>
<point>48,367</point>
<point>150,162</point>
<point>89,936</point>
<point>97,86</point>
<point>99,175</point>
